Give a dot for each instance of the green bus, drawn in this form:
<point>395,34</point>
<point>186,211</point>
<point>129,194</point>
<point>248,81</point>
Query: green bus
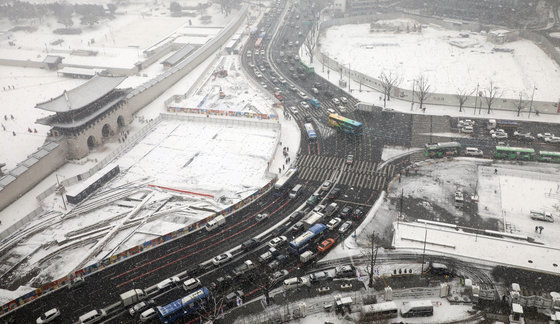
<point>515,153</point>
<point>442,149</point>
<point>308,69</point>
<point>548,156</point>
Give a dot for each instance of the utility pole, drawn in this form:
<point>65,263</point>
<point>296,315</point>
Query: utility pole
<point>531,105</point>
<point>412,103</point>
<point>476,98</point>
<point>400,209</point>
<point>349,78</point>
<point>424,250</point>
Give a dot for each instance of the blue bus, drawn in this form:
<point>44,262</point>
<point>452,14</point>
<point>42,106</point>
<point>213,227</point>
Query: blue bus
<point>310,132</point>
<point>182,307</point>
<point>302,243</point>
<point>347,125</point>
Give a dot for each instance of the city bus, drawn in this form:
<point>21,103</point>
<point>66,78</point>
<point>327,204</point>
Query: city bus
<point>442,149</point>
<point>183,306</point>
<point>515,153</point>
<point>380,311</point>
<point>548,156</point>
<point>417,308</point>
<point>347,125</point>
<point>285,180</point>
<point>311,135</point>
<point>308,69</point>
<point>303,242</point>
<point>258,42</point>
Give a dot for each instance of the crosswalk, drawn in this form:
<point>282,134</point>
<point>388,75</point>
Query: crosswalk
<point>362,174</point>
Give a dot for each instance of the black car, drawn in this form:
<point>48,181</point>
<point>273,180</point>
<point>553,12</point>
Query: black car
<point>279,230</point>
<point>335,193</point>
<point>346,211</point>
<point>249,244</point>
<point>317,85</point>
<point>358,213</point>
<point>308,119</point>
<point>295,216</point>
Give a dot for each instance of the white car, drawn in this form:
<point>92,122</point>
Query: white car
<point>168,282</point>
<point>248,53</point>
<point>331,111</point>
<point>222,258</point>
<point>258,74</point>
<point>544,135</point>
<point>261,217</point>
<point>344,100</point>
<point>294,109</point>
<point>277,241</point>
<point>336,101</point>
<point>467,129</point>
<point>473,151</point>
<point>48,316</point>
<point>342,109</point>
<point>552,139</point>
<point>333,223</point>
<point>304,105</point>
<point>344,227</point>
<point>499,135</point>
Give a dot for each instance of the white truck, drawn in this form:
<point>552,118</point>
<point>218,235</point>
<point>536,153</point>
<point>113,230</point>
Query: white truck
<point>542,216</point>
<point>132,297</point>
<point>312,219</point>
<point>306,256</point>
<point>243,268</point>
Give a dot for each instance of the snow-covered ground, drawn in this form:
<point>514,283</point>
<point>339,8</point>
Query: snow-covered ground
<point>445,58</point>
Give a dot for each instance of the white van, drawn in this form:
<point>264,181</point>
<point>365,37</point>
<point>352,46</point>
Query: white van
<point>191,284</point>
<point>215,223</point>
<point>295,191</point>
<point>148,315</point>
<point>473,151</point>
<point>92,317</point>
<point>296,282</point>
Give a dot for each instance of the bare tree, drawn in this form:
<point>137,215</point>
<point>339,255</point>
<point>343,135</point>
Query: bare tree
<point>210,309</point>
<point>388,82</point>
<point>462,96</point>
<point>310,43</point>
<point>372,255</point>
<point>490,95</point>
<point>520,104</point>
<point>423,90</point>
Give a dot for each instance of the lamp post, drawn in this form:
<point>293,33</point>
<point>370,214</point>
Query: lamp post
<point>349,78</point>
<point>531,105</point>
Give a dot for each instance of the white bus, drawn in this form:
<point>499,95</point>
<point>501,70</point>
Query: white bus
<point>285,179</point>
<point>417,308</point>
<point>379,311</point>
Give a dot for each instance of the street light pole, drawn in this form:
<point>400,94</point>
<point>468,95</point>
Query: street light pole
<point>531,105</point>
<point>424,250</point>
<point>349,78</point>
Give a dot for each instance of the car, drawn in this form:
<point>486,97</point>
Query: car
<point>313,200</point>
<point>345,271</point>
<point>326,185</point>
<point>320,276</point>
<point>344,100</point>
<point>297,228</point>
<point>304,105</point>
<point>264,85</point>
<point>285,61</point>
<point>358,212</point>
<point>319,208</point>
<point>345,227</point>
<point>518,133</point>
<point>296,57</point>
<point>346,211</point>
<point>302,95</point>
<point>333,223</point>
<point>249,244</point>
<point>224,282</point>
<point>292,87</point>
<point>76,283</point>
<point>268,255</point>
<point>544,135</point>
<point>331,111</point>
<point>248,53</point>
<point>342,109</point>
<point>325,245</point>
<point>387,109</point>
<point>334,193</point>
<point>552,139</point>
<point>295,216</point>
<point>251,64</point>
<point>261,217</point>
<point>527,138</point>
<point>308,119</point>
<point>500,135</point>
<point>148,314</point>
<point>315,90</point>
<point>258,75</point>
<point>262,68</point>
<point>349,159</point>
<point>48,316</point>
<point>278,275</point>
<point>317,85</point>
<point>473,151</point>
<point>232,297</point>
<point>277,241</point>
<point>499,130</point>
<point>290,44</point>
<point>140,307</point>
<point>222,258</point>
<point>262,52</point>
<point>467,130</point>
<point>168,283</point>
<point>335,101</point>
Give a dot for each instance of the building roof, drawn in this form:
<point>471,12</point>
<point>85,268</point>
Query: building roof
<point>179,55</point>
<point>83,95</point>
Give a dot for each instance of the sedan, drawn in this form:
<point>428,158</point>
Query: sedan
<point>346,211</point>
<point>294,109</point>
<point>168,282</point>
<point>345,227</point>
<point>325,245</point>
<point>222,258</point>
<point>336,101</point>
<point>277,241</point>
<point>349,159</point>
<point>319,276</point>
<point>552,139</point>
<point>48,316</point>
<point>499,135</point>
<point>344,100</point>
<point>140,307</point>
<point>333,223</point>
<point>358,212</point>
<point>304,105</point>
<point>278,275</point>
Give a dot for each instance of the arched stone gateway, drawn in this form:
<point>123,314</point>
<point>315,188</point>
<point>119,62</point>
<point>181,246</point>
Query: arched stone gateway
<point>91,142</point>
<point>120,121</point>
<point>106,131</point>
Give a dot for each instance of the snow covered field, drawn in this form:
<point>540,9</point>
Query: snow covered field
<point>448,60</point>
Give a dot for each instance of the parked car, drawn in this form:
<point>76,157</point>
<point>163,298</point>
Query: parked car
<point>48,316</point>
<point>168,283</point>
<point>325,245</point>
<point>333,223</point>
<point>320,276</point>
<point>345,227</point>
<point>335,101</point>
<point>345,271</point>
<point>278,275</point>
<point>346,211</point>
<point>344,100</point>
<point>358,213</point>
<point>222,258</point>
<point>335,193</point>
<point>277,241</point>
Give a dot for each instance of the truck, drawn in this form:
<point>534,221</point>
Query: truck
<point>493,124</point>
<point>312,219</point>
<point>306,256</point>
<point>246,266</point>
<point>132,297</point>
<point>542,216</point>
<point>315,103</point>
